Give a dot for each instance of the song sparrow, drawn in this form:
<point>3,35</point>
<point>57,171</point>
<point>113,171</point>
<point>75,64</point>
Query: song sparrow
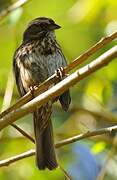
<point>34,61</point>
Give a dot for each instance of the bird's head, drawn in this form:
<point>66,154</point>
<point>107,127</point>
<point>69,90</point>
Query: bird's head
<point>39,27</point>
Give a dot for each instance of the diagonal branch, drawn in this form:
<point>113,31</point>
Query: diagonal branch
<point>11,8</point>
<point>24,133</point>
<point>53,78</point>
<point>61,143</point>
<point>59,88</point>
<point>86,135</point>
<point>100,44</point>
<point>13,159</point>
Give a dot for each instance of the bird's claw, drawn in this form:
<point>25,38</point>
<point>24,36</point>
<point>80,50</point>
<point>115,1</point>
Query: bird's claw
<point>32,89</point>
<point>60,73</point>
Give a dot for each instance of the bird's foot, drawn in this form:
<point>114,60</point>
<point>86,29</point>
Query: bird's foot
<point>60,73</point>
<point>32,89</point>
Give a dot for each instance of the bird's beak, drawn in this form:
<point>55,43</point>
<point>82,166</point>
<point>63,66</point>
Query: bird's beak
<point>54,26</point>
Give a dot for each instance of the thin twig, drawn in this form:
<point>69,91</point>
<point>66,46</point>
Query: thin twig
<point>15,94</point>
<point>67,141</point>
<point>13,159</point>
<point>86,135</point>
<point>59,88</point>
<point>8,91</point>
<point>11,8</point>
<point>65,173</point>
<point>24,133</point>
<point>7,101</point>
<point>104,41</point>
<point>110,155</point>
<point>53,78</point>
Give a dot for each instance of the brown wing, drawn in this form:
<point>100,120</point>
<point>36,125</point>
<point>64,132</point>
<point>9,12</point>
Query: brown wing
<point>18,80</point>
<point>65,98</point>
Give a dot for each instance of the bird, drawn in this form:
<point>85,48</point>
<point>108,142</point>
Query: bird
<point>37,58</point>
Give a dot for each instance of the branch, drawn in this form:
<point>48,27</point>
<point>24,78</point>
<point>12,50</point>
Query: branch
<point>103,169</point>
<point>86,135</point>
<point>82,58</point>
<point>24,133</point>
<point>73,139</point>
<point>13,159</point>
<point>8,91</point>
<point>53,78</point>
<point>12,7</point>
<point>110,155</point>
<point>59,88</point>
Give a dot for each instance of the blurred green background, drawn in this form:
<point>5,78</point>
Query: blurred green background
<point>94,100</point>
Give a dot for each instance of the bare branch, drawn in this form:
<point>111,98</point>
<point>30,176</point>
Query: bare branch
<point>65,173</point>
<point>86,135</point>
<point>110,155</point>
<point>103,170</point>
<point>8,91</point>
<point>24,133</point>
<point>59,88</point>
<point>13,159</point>
<point>12,7</point>
<point>82,58</point>
<point>53,78</point>
<point>64,142</point>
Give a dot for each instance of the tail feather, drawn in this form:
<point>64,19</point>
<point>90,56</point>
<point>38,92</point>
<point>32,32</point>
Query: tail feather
<point>45,153</point>
<point>65,100</point>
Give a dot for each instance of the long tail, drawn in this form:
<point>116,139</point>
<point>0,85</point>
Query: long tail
<point>45,153</point>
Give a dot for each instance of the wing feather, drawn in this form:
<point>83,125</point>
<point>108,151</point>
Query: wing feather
<point>65,98</point>
<point>18,80</point>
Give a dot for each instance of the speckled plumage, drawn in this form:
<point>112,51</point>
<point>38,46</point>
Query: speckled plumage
<point>34,61</point>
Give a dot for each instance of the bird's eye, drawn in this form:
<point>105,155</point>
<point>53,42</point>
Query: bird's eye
<point>51,21</point>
